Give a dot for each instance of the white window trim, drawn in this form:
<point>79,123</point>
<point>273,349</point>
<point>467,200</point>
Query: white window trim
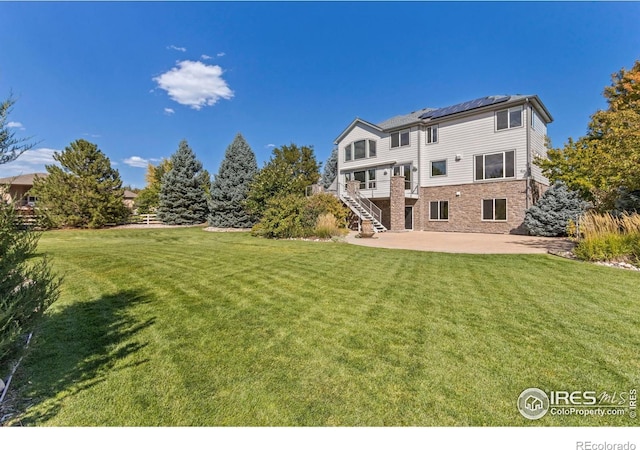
<point>509,127</point>
<point>438,219</point>
<point>367,150</point>
<point>504,171</point>
<point>367,181</point>
<point>446,168</point>
<point>400,133</point>
<point>429,134</point>
<point>506,209</point>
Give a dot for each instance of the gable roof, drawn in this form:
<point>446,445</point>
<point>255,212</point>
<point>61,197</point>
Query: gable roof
<point>425,115</point>
<point>22,180</point>
<point>356,121</point>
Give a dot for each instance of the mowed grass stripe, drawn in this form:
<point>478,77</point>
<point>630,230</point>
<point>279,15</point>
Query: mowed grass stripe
<point>183,327</point>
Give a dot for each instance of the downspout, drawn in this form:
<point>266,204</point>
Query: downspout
<point>528,173</point>
<point>420,227</point>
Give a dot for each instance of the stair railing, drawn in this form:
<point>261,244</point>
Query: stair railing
<point>368,206</point>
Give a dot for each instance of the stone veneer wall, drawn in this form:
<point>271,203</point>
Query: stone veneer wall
<point>465,211</point>
<point>397,204</point>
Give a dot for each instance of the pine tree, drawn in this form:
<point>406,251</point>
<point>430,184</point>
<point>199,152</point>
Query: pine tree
<point>182,193</point>
<point>27,286</point>
<point>330,169</point>
<point>10,146</point>
<point>84,191</point>
<point>551,215</point>
<point>231,185</point>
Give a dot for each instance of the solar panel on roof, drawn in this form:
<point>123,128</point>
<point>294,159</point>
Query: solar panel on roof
<point>465,106</point>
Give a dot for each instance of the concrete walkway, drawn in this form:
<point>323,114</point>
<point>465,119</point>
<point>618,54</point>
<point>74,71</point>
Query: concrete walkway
<point>463,242</point>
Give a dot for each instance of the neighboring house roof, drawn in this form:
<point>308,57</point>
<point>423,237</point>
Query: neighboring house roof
<point>129,194</point>
<point>425,115</point>
<point>22,180</point>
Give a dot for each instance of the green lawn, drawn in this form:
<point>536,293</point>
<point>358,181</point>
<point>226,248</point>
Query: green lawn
<point>184,327</point>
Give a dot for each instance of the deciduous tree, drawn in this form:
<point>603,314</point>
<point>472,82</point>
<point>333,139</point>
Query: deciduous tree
<point>605,161</point>
<point>148,199</point>
<point>290,171</point>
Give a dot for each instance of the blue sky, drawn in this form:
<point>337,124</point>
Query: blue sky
<point>136,78</point>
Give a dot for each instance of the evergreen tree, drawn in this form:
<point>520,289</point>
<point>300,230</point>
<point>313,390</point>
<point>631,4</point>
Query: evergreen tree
<point>27,286</point>
<point>231,185</point>
<point>290,170</point>
<point>84,191</point>
<point>551,215</point>
<point>182,193</point>
<point>10,146</point>
<point>330,169</point>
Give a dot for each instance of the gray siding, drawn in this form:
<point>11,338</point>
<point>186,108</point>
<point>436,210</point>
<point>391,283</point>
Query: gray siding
<point>467,137</point>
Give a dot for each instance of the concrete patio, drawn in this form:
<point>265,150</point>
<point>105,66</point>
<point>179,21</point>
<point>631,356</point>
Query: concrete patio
<point>463,242</point>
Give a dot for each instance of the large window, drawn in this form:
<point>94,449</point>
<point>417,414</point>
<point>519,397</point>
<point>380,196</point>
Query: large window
<point>439,168</point>
<point>432,134</point>
<point>367,178</point>
<point>509,118</point>
<point>439,210</point>
<point>495,165</point>
<point>399,138</point>
<point>494,209</point>
<point>362,149</point>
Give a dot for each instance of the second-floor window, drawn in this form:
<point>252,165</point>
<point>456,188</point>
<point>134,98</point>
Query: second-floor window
<point>495,165</point>
<point>432,134</point>
<point>365,148</point>
<point>399,138</point>
<point>509,118</point>
<point>439,168</point>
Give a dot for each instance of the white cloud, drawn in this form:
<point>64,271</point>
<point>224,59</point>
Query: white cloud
<point>221,54</point>
<point>194,84</point>
<point>169,111</point>
<point>15,125</point>
<point>136,161</point>
<point>179,49</point>
<point>271,145</point>
<point>29,162</point>
<point>205,57</point>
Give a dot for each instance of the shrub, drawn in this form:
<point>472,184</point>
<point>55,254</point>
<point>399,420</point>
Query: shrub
<point>293,216</point>
<point>282,218</point>
<point>607,237</point>
<point>327,227</point>
<point>319,204</point>
<point>551,215</point>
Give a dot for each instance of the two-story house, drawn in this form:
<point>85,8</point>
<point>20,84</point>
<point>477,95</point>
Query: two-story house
<point>467,167</point>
